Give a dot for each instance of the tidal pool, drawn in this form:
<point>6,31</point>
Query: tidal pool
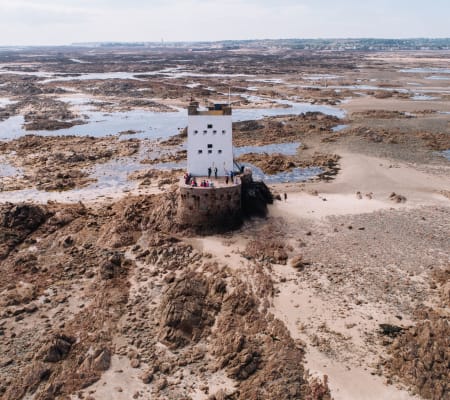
<point>150,124</point>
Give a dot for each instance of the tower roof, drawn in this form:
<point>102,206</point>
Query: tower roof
<point>216,109</point>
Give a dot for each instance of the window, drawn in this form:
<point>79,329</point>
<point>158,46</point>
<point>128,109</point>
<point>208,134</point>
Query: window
<point>195,132</point>
<point>205,132</point>
<point>210,146</point>
<point>219,151</point>
<point>210,126</point>
<point>209,151</point>
<point>223,132</point>
<point>214,132</point>
<point>200,151</point>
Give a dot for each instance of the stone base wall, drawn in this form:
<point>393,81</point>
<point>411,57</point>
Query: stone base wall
<point>214,209</point>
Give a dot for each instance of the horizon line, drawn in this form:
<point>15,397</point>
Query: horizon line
<point>164,42</point>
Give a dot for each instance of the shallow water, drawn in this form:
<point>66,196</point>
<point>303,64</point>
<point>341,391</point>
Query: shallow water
<point>149,124</point>
<point>438,78</point>
<point>446,154</point>
<point>113,176</point>
<point>288,149</point>
<point>4,101</point>
<point>422,97</point>
<point>8,170</point>
<point>295,175</point>
<point>339,128</point>
<point>426,70</point>
<point>171,73</point>
<point>318,77</point>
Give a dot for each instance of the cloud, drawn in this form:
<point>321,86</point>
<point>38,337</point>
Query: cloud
<point>67,21</point>
<point>40,13</point>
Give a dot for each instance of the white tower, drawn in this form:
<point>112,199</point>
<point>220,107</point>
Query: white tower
<point>210,140</point>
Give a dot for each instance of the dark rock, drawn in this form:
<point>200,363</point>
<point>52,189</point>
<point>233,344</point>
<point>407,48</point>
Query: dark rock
<point>57,349</point>
<point>390,330</point>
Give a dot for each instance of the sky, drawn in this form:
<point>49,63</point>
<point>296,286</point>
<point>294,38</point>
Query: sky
<point>59,22</point>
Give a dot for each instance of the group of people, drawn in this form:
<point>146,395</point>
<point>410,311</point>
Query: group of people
<point>191,181</point>
<point>210,172</point>
<point>206,183</point>
<point>230,177</point>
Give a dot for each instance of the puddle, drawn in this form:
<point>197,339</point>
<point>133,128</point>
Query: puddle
<point>268,80</point>
<point>339,128</point>
<point>426,70</point>
<point>6,102</point>
<point>318,77</point>
<point>8,170</point>
<point>295,175</point>
<point>349,87</point>
<point>76,60</point>
<point>438,78</point>
<point>446,154</point>
<point>423,97</point>
<point>288,149</point>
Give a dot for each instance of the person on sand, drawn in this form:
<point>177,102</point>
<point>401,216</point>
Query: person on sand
<point>226,179</point>
<point>215,172</point>
<point>285,196</point>
<point>209,172</point>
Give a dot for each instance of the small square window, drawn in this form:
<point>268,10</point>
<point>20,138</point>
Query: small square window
<point>214,132</point>
<point>195,132</point>
<point>223,132</point>
<point>210,126</point>
<point>210,146</point>
<point>200,151</point>
<point>209,151</point>
<point>219,151</point>
<point>205,132</point>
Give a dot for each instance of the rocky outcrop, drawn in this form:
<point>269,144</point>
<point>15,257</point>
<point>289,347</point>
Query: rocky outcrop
<point>57,349</point>
<point>255,196</point>
<point>187,309</point>
<point>17,221</point>
<point>421,355</point>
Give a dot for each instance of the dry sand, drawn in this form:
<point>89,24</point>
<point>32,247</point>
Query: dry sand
<point>305,312</point>
<point>375,178</point>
